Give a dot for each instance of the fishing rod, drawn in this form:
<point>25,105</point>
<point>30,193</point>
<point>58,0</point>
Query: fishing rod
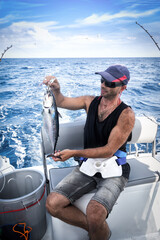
<point>5,52</point>
<point>149,35</point>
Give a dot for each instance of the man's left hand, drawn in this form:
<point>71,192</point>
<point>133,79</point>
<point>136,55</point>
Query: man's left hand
<point>62,155</point>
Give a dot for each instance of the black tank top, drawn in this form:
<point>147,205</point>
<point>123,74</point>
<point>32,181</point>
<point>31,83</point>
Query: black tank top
<point>96,133</point>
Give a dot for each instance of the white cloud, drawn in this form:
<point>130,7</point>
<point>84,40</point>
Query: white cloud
<point>96,19</point>
<point>36,40</point>
<point>7,19</point>
<point>33,25</point>
<point>131,38</point>
<point>29,39</point>
<point>41,39</point>
<point>24,32</point>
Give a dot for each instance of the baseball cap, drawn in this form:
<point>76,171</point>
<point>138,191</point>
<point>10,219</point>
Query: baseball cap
<point>117,74</point>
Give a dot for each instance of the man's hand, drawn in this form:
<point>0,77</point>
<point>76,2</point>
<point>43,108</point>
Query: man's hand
<point>52,82</point>
<point>62,155</point>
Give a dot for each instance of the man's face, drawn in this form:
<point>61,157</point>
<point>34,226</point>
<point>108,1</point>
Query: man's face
<point>110,93</point>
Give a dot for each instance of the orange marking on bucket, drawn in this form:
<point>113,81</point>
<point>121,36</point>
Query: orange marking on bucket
<point>25,232</point>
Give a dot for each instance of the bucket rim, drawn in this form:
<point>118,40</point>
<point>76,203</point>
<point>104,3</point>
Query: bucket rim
<point>29,194</point>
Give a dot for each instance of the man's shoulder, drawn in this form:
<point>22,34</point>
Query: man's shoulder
<point>127,116</point>
<point>128,110</point>
<point>88,99</point>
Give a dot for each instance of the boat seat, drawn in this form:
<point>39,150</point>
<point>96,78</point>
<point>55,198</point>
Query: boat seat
<point>143,170</point>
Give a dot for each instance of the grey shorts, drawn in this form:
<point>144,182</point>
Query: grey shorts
<point>76,184</point>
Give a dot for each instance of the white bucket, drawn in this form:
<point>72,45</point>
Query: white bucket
<point>22,200</point>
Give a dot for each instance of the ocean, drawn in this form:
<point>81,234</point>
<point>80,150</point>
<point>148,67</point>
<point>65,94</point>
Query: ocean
<point>21,97</point>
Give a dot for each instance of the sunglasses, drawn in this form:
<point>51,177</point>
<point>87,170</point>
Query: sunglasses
<point>110,84</point>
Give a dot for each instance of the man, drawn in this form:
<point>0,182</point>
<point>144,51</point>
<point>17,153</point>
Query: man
<point>109,124</point>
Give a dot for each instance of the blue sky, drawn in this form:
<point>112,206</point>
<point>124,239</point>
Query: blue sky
<point>79,28</point>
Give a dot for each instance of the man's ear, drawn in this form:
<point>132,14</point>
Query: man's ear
<point>123,88</point>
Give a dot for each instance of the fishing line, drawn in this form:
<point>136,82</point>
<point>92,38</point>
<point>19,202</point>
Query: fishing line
<point>151,119</point>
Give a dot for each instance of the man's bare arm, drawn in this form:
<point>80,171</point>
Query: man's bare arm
<point>62,101</point>
<point>117,138</point>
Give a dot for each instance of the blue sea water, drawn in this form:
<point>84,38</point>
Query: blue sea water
<point>21,97</point>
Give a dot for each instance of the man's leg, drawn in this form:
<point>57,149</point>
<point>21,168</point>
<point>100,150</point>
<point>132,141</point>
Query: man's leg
<point>108,191</point>
<point>59,206</point>
<point>71,188</point>
<point>96,218</point>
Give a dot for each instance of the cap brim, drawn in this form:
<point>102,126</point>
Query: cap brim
<point>107,76</point>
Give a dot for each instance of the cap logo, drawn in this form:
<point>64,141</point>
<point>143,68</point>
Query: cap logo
<point>120,79</point>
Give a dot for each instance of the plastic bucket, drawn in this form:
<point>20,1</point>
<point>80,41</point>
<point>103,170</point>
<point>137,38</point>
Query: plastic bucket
<point>22,202</point>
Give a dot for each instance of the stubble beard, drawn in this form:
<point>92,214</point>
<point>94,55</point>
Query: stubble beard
<point>109,95</point>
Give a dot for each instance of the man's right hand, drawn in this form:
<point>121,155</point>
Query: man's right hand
<point>52,82</point>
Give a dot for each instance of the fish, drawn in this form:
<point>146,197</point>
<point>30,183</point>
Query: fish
<point>50,119</point>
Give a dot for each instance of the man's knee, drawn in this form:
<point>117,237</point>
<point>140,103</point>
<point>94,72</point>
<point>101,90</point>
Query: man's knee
<point>55,203</point>
<point>96,214</point>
